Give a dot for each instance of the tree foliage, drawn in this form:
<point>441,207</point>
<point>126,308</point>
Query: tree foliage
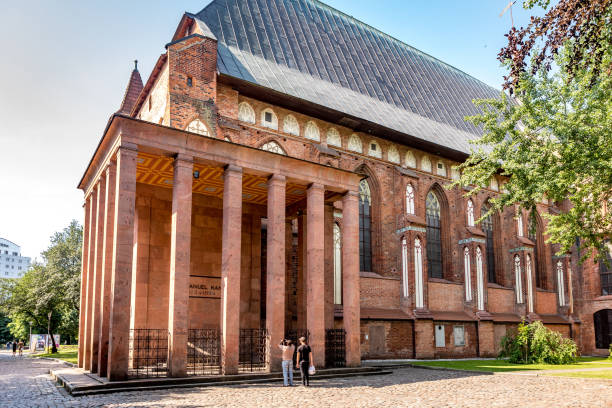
<point>555,143</point>
<point>535,343</point>
<point>51,286</point>
<point>581,27</point>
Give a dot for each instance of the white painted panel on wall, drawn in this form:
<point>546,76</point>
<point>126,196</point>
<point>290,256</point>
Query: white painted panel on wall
<point>440,342</point>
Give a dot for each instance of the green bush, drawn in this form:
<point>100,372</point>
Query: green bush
<point>534,343</point>
<point>610,350</point>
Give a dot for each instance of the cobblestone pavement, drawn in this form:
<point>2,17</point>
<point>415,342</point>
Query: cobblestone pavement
<point>25,383</point>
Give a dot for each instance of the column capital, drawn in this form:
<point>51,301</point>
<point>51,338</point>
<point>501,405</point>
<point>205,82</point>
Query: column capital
<point>277,179</point>
<point>128,148</point>
<point>111,167</point>
<point>232,168</point>
<point>316,186</point>
<point>349,195</point>
<point>183,158</point>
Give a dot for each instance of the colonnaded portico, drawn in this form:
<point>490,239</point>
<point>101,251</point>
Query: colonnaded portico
<point>185,232</point>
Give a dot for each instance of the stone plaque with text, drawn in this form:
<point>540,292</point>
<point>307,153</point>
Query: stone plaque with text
<point>204,287</point>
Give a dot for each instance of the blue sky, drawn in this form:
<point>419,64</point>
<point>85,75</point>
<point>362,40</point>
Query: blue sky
<point>66,63</point>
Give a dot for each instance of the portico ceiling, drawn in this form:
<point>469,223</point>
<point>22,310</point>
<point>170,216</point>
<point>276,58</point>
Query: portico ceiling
<point>158,171</point>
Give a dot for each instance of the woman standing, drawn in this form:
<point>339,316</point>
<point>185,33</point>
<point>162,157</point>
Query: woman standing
<point>304,361</point>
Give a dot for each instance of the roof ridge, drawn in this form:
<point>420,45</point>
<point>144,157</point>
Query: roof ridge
<point>355,19</point>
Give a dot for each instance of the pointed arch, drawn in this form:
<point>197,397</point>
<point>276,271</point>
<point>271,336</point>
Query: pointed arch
<point>518,282</point>
<point>274,147</point>
<point>333,137</point>
<point>560,283</point>
<point>467,270</point>
<point>479,279</point>
<point>337,264</point>
<point>311,131</point>
<point>269,119</point>
<point>197,126</point>
<point>393,155</point>
<point>354,143</point>
<point>470,212</point>
<point>405,285</point>
<point>438,232</point>
<point>246,112</point>
<point>369,213</point>
<point>410,160</point>
<point>374,149</point>
<point>291,125</point>
<point>410,199</point>
<point>418,274</point>
<point>426,164</point>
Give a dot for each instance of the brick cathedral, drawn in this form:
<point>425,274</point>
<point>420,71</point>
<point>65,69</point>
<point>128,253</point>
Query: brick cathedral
<point>282,173</point>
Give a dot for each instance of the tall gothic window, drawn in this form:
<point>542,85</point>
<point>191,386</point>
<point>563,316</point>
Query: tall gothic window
<point>488,228</point>
<point>605,275</point>
<point>533,234</point>
<point>479,279</point>
<point>529,284</point>
<point>365,226</point>
<point>337,265</point>
<point>560,283</point>
<point>404,267</point>
<point>434,236</point>
<point>409,199</point>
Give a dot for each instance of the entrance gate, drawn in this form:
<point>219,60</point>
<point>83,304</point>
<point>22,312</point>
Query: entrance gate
<point>335,351</point>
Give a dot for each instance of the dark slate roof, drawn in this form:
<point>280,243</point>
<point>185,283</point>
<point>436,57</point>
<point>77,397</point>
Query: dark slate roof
<point>131,93</point>
<point>311,51</point>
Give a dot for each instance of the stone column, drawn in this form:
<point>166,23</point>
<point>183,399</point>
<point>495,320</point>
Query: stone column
<point>315,275</point>
<point>275,271</point>
<point>91,257</point>
<point>123,241</point>
<point>180,258</point>
<point>302,312</point>
<point>328,296</point>
<point>230,269</point>
<point>350,277</point>
<point>95,299</point>
<point>84,263</point>
<point>107,267</point>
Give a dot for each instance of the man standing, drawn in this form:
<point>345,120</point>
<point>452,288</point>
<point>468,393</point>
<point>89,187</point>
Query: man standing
<point>287,363</point>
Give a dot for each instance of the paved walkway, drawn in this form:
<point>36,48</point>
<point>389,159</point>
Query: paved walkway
<point>25,383</point>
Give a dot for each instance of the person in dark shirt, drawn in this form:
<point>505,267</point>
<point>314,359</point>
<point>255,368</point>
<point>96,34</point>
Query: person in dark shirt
<point>304,361</point>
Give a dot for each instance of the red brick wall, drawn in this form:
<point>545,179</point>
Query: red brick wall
<point>446,296</point>
<point>397,339</point>
<point>380,293</point>
<point>450,350</point>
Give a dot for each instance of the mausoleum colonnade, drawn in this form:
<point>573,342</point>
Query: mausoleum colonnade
<point>108,300</point>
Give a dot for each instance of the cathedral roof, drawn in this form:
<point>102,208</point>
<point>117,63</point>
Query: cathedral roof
<point>308,50</point>
<point>131,92</point>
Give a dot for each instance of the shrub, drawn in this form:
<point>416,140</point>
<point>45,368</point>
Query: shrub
<point>534,343</point>
<point>610,350</point>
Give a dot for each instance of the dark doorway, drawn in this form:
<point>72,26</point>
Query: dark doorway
<point>603,328</point>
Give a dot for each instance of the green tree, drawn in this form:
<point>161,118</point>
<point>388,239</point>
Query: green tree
<point>51,286</point>
<point>555,140</point>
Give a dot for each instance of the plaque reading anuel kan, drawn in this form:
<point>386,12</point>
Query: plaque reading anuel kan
<point>204,287</point>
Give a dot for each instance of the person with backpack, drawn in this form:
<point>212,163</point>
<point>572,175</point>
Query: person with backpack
<point>305,361</point>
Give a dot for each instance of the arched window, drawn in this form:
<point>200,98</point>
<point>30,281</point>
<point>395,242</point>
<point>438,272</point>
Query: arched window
<point>196,126</point>
<point>374,149</point>
<point>470,213</point>
<point>455,174</point>
<point>269,119</point>
<point>333,137</point>
<point>488,228</point>
<point>365,232</point>
<point>418,274</point>
<point>468,274</point>
<point>533,231</point>
<point>560,283</point>
<point>494,184</point>
<point>603,328</point>
<point>291,125</point>
<point>434,236</point>
<point>311,131</point>
<point>246,113</point>
<point>410,159</point>
<point>354,143</point>
<point>393,155</point>
<point>605,275</point>
<point>529,284</point>
<point>518,284</point>
<point>441,169</point>
<point>337,265</point>
<point>409,199</point>
<point>519,223</point>
<point>273,147</point>
<point>404,267</point>
<point>426,164</point>
<point>479,279</point>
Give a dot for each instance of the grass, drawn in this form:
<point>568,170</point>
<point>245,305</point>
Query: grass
<point>505,366</point>
<point>66,353</point>
<point>585,374</point>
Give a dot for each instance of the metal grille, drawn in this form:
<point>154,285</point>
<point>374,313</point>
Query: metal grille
<point>434,236</point>
<point>294,335</point>
<point>203,352</point>
<point>148,349</point>
<point>335,351</point>
<point>253,351</point>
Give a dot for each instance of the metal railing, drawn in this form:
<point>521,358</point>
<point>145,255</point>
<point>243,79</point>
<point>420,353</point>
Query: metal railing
<point>148,352</point>
<point>335,349</point>
<point>253,350</point>
<point>204,352</point>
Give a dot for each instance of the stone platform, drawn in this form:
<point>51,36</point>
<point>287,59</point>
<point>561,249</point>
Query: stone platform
<point>79,382</point>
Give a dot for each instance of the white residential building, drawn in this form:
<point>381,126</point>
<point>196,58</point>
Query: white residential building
<point>12,264</point>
